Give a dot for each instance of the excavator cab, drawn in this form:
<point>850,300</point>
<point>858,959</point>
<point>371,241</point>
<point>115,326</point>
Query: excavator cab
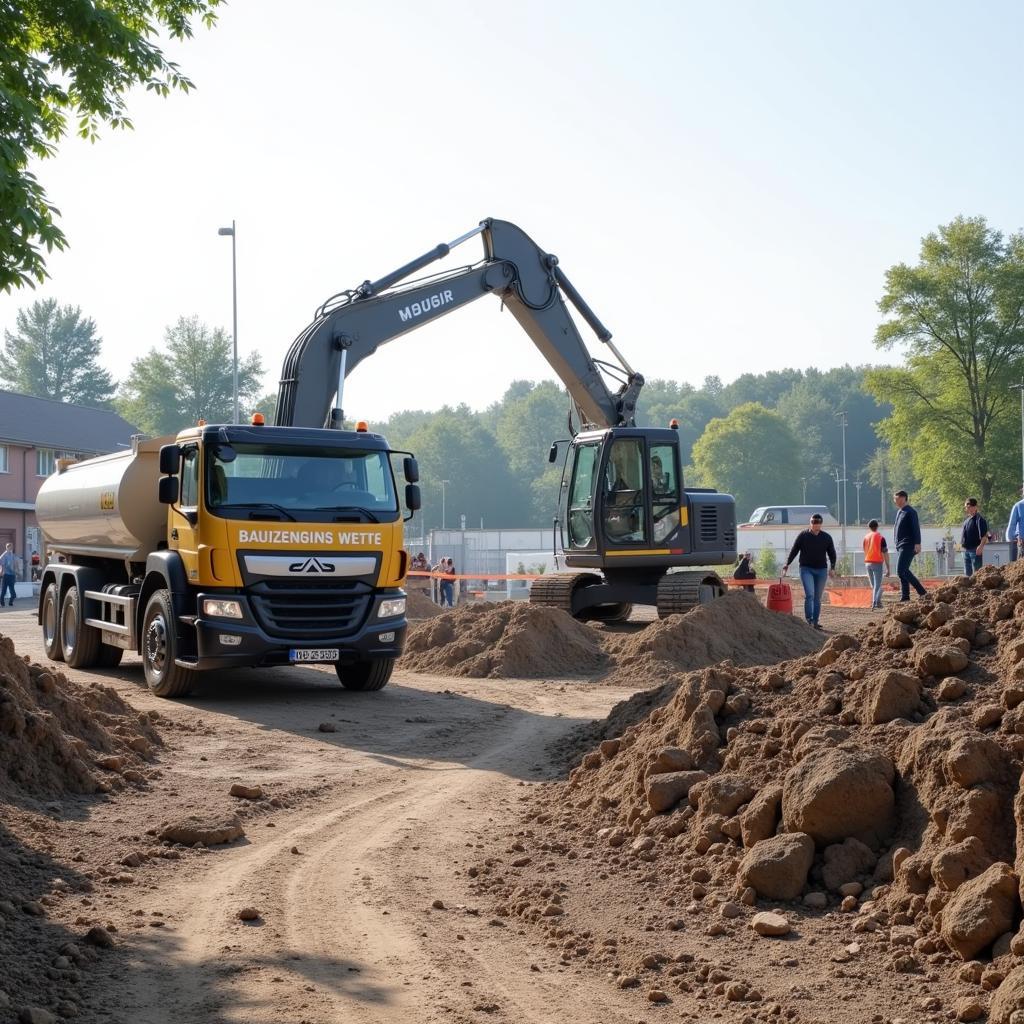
<point>625,516</point>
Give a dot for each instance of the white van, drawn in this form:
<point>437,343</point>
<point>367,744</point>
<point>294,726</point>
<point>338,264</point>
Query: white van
<point>788,515</point>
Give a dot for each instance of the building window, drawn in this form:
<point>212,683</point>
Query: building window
<point>45,459</point>
<point>4,466</point>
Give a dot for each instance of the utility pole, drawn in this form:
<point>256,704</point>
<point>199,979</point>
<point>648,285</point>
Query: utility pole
<point>857,483</point>
<point>842,417</point>
<point>234,319</point>
<point>835,473</point>
<point>881,514</point>
<point>444,484</point>
<point>1020,387</point>
<point>803,480</point>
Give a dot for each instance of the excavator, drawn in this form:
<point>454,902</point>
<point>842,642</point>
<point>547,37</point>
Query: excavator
<point>631,532</point>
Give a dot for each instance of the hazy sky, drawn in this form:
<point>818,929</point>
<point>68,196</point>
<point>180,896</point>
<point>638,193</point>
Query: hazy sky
<point>725,183</point>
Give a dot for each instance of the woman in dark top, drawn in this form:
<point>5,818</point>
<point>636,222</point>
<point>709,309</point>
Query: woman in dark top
<point>817,562</point>
<point>744,571</point>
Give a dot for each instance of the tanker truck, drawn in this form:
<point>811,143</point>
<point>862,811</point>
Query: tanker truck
<point>230,546</point>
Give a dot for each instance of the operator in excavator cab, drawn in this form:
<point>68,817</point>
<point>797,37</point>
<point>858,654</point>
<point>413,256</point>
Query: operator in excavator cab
<point>621,515</point>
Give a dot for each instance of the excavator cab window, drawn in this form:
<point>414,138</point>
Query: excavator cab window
<point>664,490</point>
<point>580,511</point>
<point>625,488</point>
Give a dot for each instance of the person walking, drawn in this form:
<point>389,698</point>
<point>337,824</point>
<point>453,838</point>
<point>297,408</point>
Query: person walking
<point>973,536</point>
<point>876,555</point>
<point>8,573</point>
<point>906,535</point>
<point>817,562</point>
<point>448,585</point>
<point>1015,531</point>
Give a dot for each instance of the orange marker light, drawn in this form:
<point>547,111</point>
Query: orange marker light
<point>257,419</point>
<point>362,427</point>
<point>673,424</point>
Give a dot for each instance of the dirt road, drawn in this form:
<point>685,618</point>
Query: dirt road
<point>357,878</point>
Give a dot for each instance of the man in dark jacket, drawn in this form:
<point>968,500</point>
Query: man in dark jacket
<point>817,563</point>
<point>906,536</point>
<point>745,571</point>
<point>973,536</point>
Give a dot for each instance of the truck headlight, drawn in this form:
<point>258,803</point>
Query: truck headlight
<point>221,609</point>
<point>391,607</point>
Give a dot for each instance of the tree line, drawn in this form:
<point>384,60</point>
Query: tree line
<point>944,424</point>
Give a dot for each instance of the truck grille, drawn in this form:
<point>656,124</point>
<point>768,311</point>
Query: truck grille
<point>310,611</point>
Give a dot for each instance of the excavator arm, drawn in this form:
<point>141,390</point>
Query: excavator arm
<point>528,281</point>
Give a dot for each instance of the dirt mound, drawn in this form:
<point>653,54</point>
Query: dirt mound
<point>505,640</point>
<point>419,606</point>
<point>891,759</point>
<point>57,737</point>
<point>736,627</point>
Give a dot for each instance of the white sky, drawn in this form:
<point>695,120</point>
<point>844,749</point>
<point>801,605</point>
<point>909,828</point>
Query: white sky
<point>724,183</point>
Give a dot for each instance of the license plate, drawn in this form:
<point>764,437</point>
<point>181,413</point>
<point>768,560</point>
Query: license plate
<point>314,654</point>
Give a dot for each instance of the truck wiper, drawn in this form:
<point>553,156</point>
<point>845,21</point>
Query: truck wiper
<point>346,517</point>
<point>260,504</point>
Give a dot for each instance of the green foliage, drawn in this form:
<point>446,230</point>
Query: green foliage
<point>71,59</point>
<point>928,566</point>
<point>766,564</point>
<point>844,566</point>
<point>749,452</point>
<point>959,316</point>
<point>268,406</point>
<point>189,380</point>
<point>54,353</point>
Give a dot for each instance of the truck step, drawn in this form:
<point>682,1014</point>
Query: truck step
<point>188,662</point>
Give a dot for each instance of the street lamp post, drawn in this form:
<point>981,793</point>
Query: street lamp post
<point>803,480</point>
<point>842,417</point>
<point>234,316</point>
<point>857,483</point>
<point>1020,387</point>
<point>444,484</point>
<point>838,479</point>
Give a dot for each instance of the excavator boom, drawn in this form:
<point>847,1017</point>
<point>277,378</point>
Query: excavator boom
<point>527,280</point>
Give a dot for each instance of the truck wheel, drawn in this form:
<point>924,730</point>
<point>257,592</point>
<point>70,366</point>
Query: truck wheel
<point>51,624</point>
<point>110,656</point>
<point>159,649</point>
<point>81,643</point>
<point>366,675</point>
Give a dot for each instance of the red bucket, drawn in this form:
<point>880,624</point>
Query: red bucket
<point>780,598</point>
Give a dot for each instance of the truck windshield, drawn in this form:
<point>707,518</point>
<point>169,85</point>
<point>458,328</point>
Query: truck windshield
<point>274,481</point>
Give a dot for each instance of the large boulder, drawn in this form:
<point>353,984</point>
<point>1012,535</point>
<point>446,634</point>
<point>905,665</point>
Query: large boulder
<point>666,790</point>
<point>890,695</point>
<point>980,911</point>
<point>758,821</point>
<point>973,759</point>
<point>836,793</point>
<point>723,793</point>
<point>940,660</point>
<point>955,864</point>
<point>777,867</point>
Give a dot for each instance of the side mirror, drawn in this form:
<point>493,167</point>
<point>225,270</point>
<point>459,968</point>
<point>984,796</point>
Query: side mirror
<point>170,459</point>
<point>553,451</point>
<point>411,469</point>
<point>412,497</point>
<point>168,492</point>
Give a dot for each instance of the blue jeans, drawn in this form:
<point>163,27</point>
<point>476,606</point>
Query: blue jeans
<point>814,586</point>
<point>907,578</point>
<point>972,561</point>
<point>447,593</point>
<point>875,573</point>
<point>8,584</point>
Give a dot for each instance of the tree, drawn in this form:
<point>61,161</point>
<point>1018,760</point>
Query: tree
<point>959,316</point>
<point>71,59</point>
<point>190,380</point>
<point>751,454</point>
<point>267,405</point>
<point>54,353</point>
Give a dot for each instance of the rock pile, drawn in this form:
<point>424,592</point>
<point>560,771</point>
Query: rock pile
<point>877,777</point>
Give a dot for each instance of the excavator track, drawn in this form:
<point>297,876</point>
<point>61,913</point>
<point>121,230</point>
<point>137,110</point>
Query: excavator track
<point>555,589</point>
<point>678,592</point>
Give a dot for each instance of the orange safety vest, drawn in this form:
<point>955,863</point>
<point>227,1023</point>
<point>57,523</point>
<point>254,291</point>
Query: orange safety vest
<point>873,547</point>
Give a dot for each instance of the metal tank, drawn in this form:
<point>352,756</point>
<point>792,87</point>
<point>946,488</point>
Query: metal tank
<point>106,507</point>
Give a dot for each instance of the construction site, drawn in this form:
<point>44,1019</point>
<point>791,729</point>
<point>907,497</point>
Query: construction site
<point>722,815</point>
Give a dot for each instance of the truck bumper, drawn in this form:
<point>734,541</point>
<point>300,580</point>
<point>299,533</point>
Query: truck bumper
<point>237,643</point>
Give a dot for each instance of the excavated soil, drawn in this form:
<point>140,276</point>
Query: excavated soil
<point>505,640</point>
<point>419,606</point>
<point>872,786</point>
<point>517,640</point>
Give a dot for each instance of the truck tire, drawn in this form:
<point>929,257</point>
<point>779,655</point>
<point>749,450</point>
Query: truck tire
<point>366,675</point>
<point>80,643</point>
<point>110,656</point>
<point>160,648</point>
<point>50,619</point>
